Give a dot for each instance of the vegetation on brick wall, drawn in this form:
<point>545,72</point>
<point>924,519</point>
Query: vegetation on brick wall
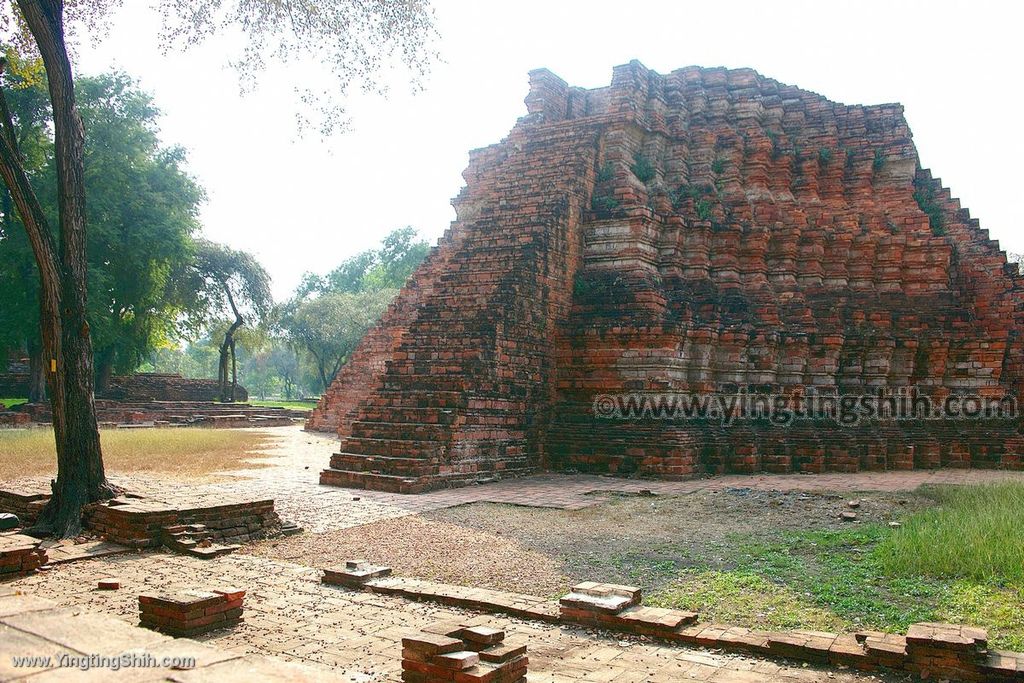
<point>642,168</point>
<point>924,195</point>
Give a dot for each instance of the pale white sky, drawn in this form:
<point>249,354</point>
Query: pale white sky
<point>303,203</point>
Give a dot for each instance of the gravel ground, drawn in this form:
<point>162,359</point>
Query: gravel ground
<point>630,539</point>
<point>427,549</point>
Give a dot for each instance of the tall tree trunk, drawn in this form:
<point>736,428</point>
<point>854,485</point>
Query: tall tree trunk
<point>104,371</point>
<point>234,370</point>
<point>226,353</point>
<point>80,475</point>
<point>36,371</point>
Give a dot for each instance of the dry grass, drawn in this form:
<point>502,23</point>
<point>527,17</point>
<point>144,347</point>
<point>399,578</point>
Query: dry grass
<point>437,551</point>
<point>180,453</point>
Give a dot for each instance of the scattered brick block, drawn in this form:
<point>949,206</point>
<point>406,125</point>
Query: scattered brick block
<point>355,573</point>
<point>189,612</point>
<point>20,555</point>
<point>451,652</point>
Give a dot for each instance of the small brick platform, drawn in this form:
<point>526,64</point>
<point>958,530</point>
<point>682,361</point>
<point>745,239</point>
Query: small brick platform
<point>147,523</point>
<point>466,654</point>
<point>20,555</point>
<point>187,613</point>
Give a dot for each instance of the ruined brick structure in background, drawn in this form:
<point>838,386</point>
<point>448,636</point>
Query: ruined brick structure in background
<point>709,230</point>
<point>137,387</point>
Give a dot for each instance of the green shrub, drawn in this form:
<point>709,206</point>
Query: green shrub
<point>606,173</point>
<point>704,209</point>
<point>824,156</point>
<point>878,163</point>
<point>604,203</point>
<point>924,195</point>
<point>642,168</point>
<point>718,166</point>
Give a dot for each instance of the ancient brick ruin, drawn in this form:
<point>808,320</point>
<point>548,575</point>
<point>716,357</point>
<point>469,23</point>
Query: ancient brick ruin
<point>709,230</point>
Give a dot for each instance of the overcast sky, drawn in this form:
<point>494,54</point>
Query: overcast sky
<point>305,203</point>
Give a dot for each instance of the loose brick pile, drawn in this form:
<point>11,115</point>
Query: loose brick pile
<point>20,555</point>
<point>771,240</point>
<point>188,612</point>
<point>465,654</point>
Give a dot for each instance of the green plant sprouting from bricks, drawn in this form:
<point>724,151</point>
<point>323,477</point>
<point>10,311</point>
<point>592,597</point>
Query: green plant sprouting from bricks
<point>604,203</point>
<point>924,195</point>
<point>878,162</point>
<point>642,168</point>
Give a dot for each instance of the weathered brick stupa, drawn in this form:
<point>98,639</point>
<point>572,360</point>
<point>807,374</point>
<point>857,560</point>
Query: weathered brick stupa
<point>708,230</point>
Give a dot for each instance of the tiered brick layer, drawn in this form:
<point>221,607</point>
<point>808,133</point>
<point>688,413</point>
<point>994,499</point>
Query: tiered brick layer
<point>143,523</point>
<point>709,230</point>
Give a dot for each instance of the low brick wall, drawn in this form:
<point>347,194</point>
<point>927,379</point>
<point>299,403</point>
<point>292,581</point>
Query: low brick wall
<point>949,652</point>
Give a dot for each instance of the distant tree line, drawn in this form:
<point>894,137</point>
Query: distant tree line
<point>161,297</point>
<point>300,345</point>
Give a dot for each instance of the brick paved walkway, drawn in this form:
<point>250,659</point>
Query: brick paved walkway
<point>290,615</point>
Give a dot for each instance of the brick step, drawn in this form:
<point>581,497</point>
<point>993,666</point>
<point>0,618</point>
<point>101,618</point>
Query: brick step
<point>410,485</point>
<point>412,431</point>
<point>417,396</point>
<point>403,467</point>
<point>408,415</point>
<point>374,482</point>
<point>396,447</point>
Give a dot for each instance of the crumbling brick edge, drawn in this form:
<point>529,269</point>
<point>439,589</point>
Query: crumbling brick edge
<point>930,650</point>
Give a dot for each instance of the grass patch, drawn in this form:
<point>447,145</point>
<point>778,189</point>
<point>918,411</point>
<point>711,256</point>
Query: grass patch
<point>9,402</point>
<point>744,597</point>
<point>975,532</point>
<point>961,561</point>
<point>294,405</point>
<point>179,452</point>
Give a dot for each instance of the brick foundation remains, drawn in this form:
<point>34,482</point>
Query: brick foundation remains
<point>136,388</point>
<point>189,613</point>
<point>704,231</point>
<point>171,414</point>
<point>202,528</point>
